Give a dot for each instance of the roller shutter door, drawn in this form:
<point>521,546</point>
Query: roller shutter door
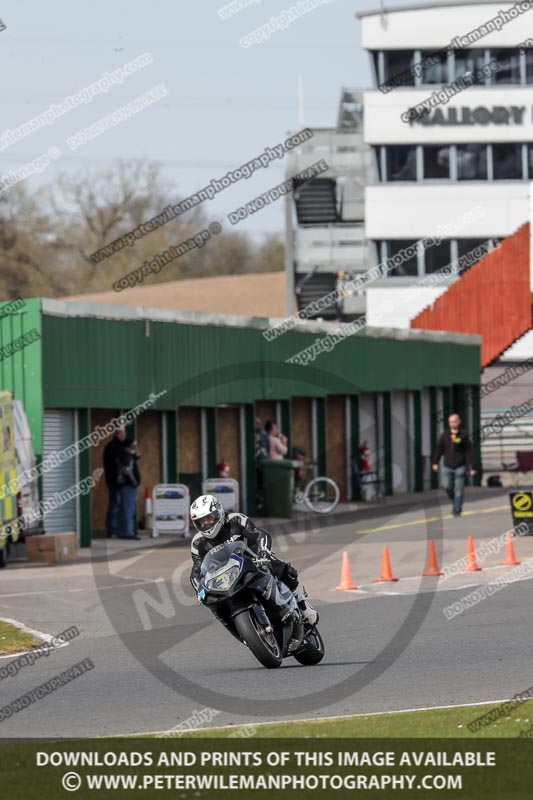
<point>402,443</point>
<point>426,443</point>
<point>58,433</point>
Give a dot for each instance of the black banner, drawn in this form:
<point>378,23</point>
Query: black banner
<point>268,769</point>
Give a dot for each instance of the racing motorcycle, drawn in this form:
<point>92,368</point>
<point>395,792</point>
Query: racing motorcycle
<point>257,608</point>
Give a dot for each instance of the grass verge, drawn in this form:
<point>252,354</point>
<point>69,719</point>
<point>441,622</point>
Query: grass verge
<point>437,723</point>
<point>13,640</point>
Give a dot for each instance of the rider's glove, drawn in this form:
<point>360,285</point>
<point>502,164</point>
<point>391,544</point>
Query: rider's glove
<point>263,558</point>
<point>201,594</point>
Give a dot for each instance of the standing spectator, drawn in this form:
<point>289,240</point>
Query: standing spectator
<point>128,479</point>
<point>111,454</point>
<point>455,445</point>
<point>262,451</point>
<point>278,442</point>
<point>262,441</point>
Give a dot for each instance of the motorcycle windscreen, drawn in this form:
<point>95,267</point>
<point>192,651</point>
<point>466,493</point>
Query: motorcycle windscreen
<point>222,566</point>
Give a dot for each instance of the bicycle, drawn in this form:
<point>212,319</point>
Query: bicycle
<point>321,494</point>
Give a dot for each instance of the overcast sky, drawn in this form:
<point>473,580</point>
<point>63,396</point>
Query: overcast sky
<point>225,103</point>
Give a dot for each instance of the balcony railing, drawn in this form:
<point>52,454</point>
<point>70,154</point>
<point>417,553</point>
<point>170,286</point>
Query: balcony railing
<point>346,153</point>
<point>332,247</point>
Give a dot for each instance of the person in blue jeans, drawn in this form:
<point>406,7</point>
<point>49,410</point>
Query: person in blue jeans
<point>456,447</point>
<point>111,454</point>
<point>128,479</point>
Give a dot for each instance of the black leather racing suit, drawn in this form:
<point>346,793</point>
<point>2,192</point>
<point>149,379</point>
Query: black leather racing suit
<point>257,541</point>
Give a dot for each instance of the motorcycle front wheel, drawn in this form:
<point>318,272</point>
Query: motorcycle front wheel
<point>262,643</point>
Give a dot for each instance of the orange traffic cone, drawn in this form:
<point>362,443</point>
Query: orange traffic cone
<point>510,558</point>
<point>386,571</point>
<point>346,575</point>
<point>432,569</point>
<point>471,563</point>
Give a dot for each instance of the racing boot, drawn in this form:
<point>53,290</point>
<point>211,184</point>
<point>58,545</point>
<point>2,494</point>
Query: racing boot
<point>308,612</point>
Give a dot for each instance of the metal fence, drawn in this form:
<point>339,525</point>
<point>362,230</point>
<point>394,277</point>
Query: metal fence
<point>500,449</point>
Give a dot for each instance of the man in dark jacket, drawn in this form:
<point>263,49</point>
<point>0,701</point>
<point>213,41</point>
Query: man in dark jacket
<point>455,445</point>
<point>112,452</point>
<point>128,479</point>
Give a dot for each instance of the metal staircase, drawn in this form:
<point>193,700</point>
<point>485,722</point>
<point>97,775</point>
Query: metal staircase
<point>314,286</point>
<point>316,202</point>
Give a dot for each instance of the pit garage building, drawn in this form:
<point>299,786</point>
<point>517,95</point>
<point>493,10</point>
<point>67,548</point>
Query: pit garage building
<point>214,374</point>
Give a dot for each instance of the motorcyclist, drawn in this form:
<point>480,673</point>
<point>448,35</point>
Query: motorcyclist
<point>214,527</point>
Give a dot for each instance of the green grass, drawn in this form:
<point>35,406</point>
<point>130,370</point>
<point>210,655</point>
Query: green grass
<point>440,723</point>
<point>13,640</point>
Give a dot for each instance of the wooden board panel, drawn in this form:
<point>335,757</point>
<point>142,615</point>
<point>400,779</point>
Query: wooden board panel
<point>99,497</point>
<point>301,425</point>
<point>150,463</point>
<point>189,439</point>
<point>228,440</point>
<point>336,441</point>
<point>265,410</point>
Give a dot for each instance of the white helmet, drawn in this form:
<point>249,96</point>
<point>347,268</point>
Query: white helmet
<point>207,515</point>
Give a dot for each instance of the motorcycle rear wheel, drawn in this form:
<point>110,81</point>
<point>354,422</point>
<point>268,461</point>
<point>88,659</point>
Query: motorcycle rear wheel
<point>263,645</point>
<point>313,651</point>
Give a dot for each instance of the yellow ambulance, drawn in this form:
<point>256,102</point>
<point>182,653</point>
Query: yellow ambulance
<point>16,459</point>
<point>8,473</point>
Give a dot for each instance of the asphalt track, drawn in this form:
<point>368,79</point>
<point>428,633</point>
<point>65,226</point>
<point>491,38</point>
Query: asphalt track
<point>384,652</point>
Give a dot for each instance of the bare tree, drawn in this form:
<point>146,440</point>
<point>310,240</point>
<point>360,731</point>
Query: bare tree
<point>47,237</point>
<point>25,264</point>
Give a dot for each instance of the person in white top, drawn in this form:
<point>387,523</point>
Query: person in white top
<point>278,442</point>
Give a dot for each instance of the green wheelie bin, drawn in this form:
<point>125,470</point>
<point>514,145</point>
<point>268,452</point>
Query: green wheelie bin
<point>278,487</point>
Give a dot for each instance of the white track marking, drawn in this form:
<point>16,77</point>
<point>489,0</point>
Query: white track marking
<point>89,589</point>
<point>407,523</point>
<point>326,719</point>
<point>45,637</point>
